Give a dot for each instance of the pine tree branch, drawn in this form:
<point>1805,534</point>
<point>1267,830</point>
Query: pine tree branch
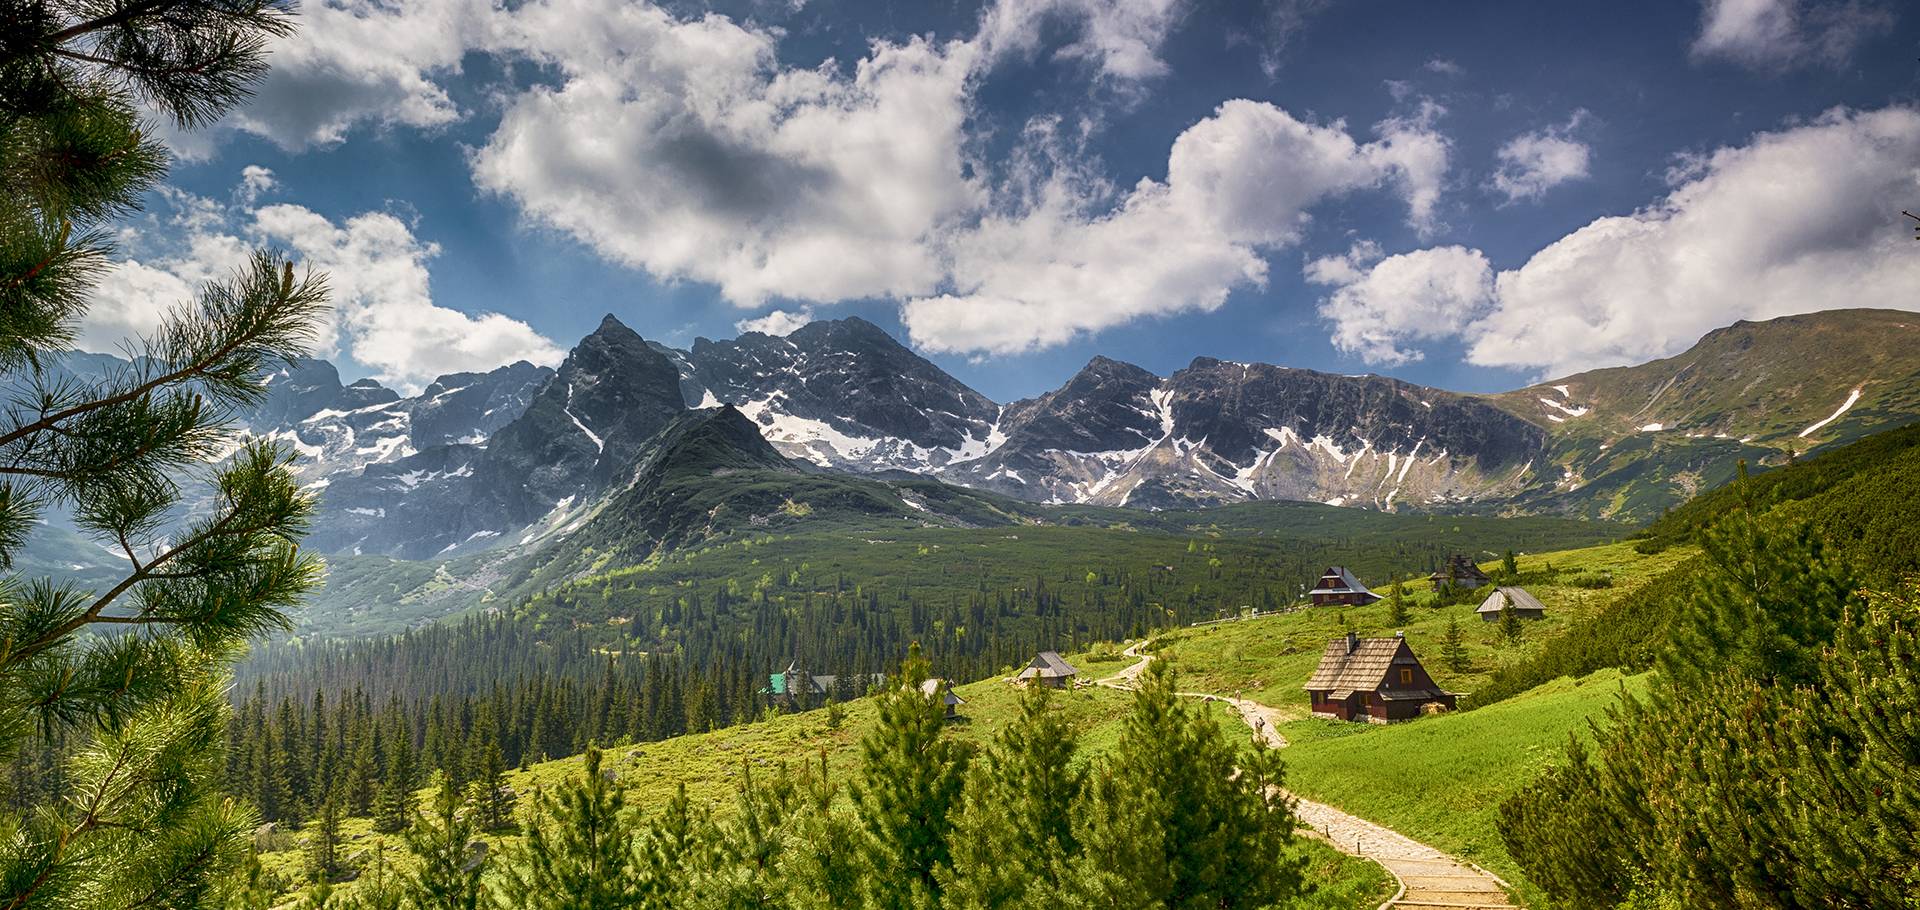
<point>156,896</point>
<point>121,16</point>
<point>200,367</point>
<point>88,821</point>
<point>41,266</point>
<point>194,69</point>
<point>143,573</point>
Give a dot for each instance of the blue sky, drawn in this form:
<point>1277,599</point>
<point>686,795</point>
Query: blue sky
<point>1469,195</point>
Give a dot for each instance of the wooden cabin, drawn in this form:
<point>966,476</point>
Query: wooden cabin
<point>943,690</point>
<point>1459,572</point>
<point>1377,680</point>
<point>1048,669</point>
<point>1525,605</point>
<point>1337,586</point>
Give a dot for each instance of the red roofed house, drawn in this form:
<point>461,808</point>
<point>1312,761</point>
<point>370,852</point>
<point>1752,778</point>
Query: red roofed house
<point>1373,679</point>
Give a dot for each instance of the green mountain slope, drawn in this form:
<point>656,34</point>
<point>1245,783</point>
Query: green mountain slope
<point>1630,442</point>
<point>714,508</point>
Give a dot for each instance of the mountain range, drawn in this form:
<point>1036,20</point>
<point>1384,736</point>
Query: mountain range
<point>526,453</point>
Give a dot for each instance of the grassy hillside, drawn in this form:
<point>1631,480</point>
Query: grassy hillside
<point>1862,497</point>
<point>1765,381</point>
<point>1436,779</point>
<point>1268,659</point>
<point>1441,780</point>
<point>712,766</point>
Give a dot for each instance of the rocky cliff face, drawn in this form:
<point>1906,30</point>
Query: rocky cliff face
<point>581,433</point>
<point>1219,432</point>
<point>340,429</point>
<point>842,394</point>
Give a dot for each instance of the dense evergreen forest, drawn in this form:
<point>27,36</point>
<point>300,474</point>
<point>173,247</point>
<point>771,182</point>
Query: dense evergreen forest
<point>1771,764</point>
<point>686,645</point>
<point>1176,815</point>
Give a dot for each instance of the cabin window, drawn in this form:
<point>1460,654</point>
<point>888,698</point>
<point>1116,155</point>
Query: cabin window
<point>1406,676</point>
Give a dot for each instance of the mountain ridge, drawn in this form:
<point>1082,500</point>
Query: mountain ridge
<point>521,453</point>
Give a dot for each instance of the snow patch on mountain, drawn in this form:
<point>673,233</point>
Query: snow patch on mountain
<point>1845,406</point>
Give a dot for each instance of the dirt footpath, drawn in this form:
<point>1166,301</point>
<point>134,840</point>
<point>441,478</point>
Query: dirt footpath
<point>1429,879</point>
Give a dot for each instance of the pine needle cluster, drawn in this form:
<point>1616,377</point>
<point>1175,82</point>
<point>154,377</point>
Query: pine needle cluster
<point>132,671</point>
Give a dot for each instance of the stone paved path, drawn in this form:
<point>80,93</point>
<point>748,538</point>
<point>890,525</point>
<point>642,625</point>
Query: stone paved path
<point>1428,878</point>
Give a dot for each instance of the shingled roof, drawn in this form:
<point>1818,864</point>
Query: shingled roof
<point>1521,598</point>
<point>1355,664</point>
<point>1048,665</point>
<point>1347,581</point>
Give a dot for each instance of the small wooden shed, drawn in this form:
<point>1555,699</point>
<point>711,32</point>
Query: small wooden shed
<point>1338,586</point>
<point>943,690</point>
<point>1525,605</point>
<point>1459,572</point>
<point>1378,680</point>
<point>1048,669</point>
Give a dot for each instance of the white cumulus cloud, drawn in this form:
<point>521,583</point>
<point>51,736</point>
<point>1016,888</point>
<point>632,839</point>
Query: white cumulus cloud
<point>1379,304</point>
<point>777,322</point>
<point>1781,34</point>
<point>1239,184</point>
<point>684,148</point>
<point>384,316</point>
<point>1121,38</point>
<point>1796,220</point>
<point>1533,163</point>
<point>363,63</point>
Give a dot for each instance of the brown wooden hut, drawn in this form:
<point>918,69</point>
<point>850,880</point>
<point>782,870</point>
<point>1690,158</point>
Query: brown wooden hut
<point>1048,669</point>
<point>1459,572</point>
<point>1378,680</point>
<point>1337,586</point>
<point>1524,604</point>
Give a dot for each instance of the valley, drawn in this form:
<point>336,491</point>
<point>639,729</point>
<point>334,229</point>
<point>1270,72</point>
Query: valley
<point>1089,455</point>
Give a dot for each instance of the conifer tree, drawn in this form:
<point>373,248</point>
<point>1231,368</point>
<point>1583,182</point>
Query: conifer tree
<point>250,886</point>
<point>753,852</point>
<point>822,879</point>
<point>1510,627</point>
<point>447,869</point>
<point>143,817</point>
<point>1180,818</point>
<point>325,862</point>
<point>1396,605</point>
<point>579,848</point>
<point>1771,600</point>
<point>909,782</point>
<point>379,888</point>
<point>1755,774</point>
<point>488,768</point>
<point>393,807</point>
<point>671,844</point>
<point>1453,647</point>
<point>361,782</point>
<point>1014,835</point>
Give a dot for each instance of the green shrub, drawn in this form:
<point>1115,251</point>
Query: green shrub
<point>1592,581</point>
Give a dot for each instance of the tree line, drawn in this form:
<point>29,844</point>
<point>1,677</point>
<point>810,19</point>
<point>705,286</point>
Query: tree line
<point>288,756</point>
<point>1175,815</point>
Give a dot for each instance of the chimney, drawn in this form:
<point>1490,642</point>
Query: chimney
<point>1353,642</point>
<point>1400,634</point>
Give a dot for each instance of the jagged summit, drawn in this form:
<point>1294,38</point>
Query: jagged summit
<point>523,451</point>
